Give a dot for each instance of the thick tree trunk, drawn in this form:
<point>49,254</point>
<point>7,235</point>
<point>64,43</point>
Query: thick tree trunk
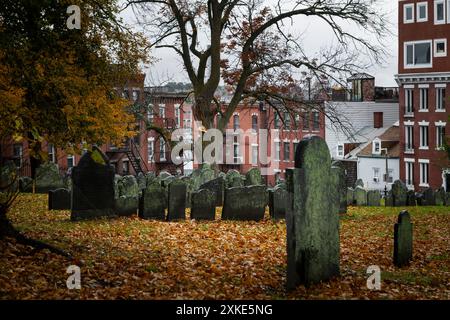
<point>7,231</point>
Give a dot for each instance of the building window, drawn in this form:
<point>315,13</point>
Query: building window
<point>277,151</point>
<point>236,124</point>
<point>276,120</point>
<point>424,137</point>
<point>255,123</point>
<point>357,92</point>
<point>390,177</point>
<point>287,121</point>
<point>440,136</point>
<point>287,151</point>
<point>409,138</point>
<point>151,149</point>
<point>439,11</point>
<point>236,153</point>
<point>423,99</point>
<point>378,119</point>
<point>162,111</point>
<point>440,48</point>
<point>150,113</point>
<point>70,161</point>
<point>254,155</point>
<point>340,150</point>
<point>295,145</point>
<point>51,153</point>
<point>440,99</point>
<point>136,95</point>
<point>376,175</point>
<point>409,101</point>
<point>408,13</point>
<point>177,116</point>
<point>162,150</point>
<point>376,146</point>
<point>18,154</point>
<point>424,173</point>
<point>418,54</point>
<point>125,167</point>
<point>306,121</point>
<point>422,12</point>
<point>409,166</point>
<point>316,121</point>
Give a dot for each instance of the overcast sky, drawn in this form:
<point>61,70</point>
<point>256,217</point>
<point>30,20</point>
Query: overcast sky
<point>315,35</point>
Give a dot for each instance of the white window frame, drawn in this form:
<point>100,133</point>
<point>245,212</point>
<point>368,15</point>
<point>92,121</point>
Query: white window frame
<point>424,107</point>
<point>422,137</point>
<point>338,153</point>
<point>409,162</point>
<point>409,138</point>
<point>162,110</point>
<point>150,113</point>
<point>416,66</point>
<point>436,2</point>
<point>254,160</point>
<point>424,163</point>
<point>376,142</point>
<point>51,153</point>
<point>277,151</point>
<point>440,98</point>
<point>150,156</point>
<point>422,4</point>
<point>162,150</point>
<point>406,7</point>
<point>448,11</point>
<point>436,53</point>
<point>440,141</point>
<point>376,175</point>
<point>409,101</point>
<point>177,115</point>
<point>71,156</point>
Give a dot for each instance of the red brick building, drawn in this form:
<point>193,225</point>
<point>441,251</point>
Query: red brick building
<point>423,78</point>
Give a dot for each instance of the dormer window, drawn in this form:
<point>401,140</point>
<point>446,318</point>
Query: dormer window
<point>376,146</point>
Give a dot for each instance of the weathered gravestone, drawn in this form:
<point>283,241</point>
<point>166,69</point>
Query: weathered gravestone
<point>203,205</point>
<point>411,198</point>
<point>315,216</point>
<point>126,202</point>
<point>217,186</point>
<point>373,198</point>
<point>48,178</point>
<point>177,201</point>
<point>292,276</point>
<point>403,240</point>
<point>439,196</point>
<point>350,196</point>
<point>233,179</point>
<point>141,181</point>
<point>278,198</point>
<point>245,203</point>
<point>253,178</point>
<point>59,199</point>
<point>153,202</point>
<point>25,184</point>
<point>389,199</point>
<point>360,196</point>
<point>399,193</point>
<point>341,186</point>
<point>92,187</point>
<point>426,198</point>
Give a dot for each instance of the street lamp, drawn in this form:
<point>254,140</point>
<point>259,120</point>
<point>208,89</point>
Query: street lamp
<point>386,155</point>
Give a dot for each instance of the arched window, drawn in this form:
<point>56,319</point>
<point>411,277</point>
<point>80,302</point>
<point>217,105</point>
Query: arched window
<point>255,123</point>
<point>236,122</point>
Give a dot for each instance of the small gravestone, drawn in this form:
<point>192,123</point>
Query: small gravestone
<point>233,179</point>
<point>411,198</point>
<point>439,196</point>
<point>426,198</point>
<point>25,184</point>
<point>341,186</point>
<point>126,201</point>
<point>389,200</point>
<point>253,178</point>
<point>177,201</point>
<point>373,198</point>
<point>278,198</point>
<point>360,196</point>
<point>217,186</point>
<point>203,205</point>
<point>315,214</point>
<point>359,183</point>
<point>153,202</point>
<point>189,189</point>
<point>245,203</point>
<point>59,199</point>
<point>350,196</point>
<point>403,240</point>
<point>399,193</point>
<point>93,187</point>
<point>48,178</point>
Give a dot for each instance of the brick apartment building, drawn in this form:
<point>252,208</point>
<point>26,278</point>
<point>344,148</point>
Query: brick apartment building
<point>423,78</point>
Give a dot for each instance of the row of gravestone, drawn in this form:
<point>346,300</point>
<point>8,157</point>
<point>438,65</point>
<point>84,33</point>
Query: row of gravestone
<point>399,195</point>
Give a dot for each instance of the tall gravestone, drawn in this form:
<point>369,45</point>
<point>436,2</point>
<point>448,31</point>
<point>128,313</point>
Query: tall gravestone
<point>315,215</point>
<point>278,198</point>
<point>292,276</point>
<point>360,196</point>
<point>203,205</point>
<point>93,187</point>
<point>403,240</point>
<point>153,202</point>
<point>217,186</point>
<point>245,203</point>
<point>177,201</point>
<point>399,193</point>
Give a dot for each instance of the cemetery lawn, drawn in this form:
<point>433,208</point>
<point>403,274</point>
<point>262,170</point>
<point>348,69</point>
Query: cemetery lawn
<point>129,258</point>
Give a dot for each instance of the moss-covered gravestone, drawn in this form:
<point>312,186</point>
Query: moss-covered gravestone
<point>399,193</point>
<point>126,202</point>
<point>439,196</point>
<point>403,240</point>
<point>245,203</point>
<point>411,198</point>
<point>277,203</point>
<point>217,186</point>
<point>48,178</point>
<point>203,205</point>
<point>153,202</point>
<point>253,178</point>
<point>25,184</point>
<point>93,187</point>
<point>350,196</point>
<point>360,196</point>
<point>373,198</point>
<point>233,179</point>
<point>177,201</point>
<point>315,215</point>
